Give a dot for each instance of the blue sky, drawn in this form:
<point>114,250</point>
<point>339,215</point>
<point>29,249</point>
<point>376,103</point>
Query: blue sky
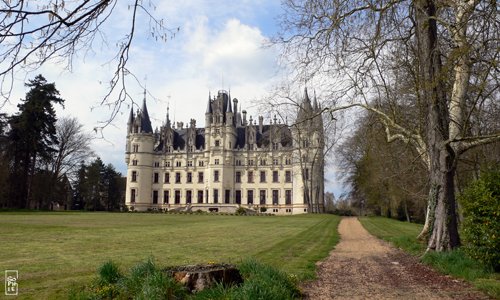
<point>220,45</point>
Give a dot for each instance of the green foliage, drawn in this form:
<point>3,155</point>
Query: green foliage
<point>265,282</point>
<point>263,209</point>
<point>241,211</point>
<point>481,227</point>
<point>147,281</point>
<point>109,273</point>
<point>456,263</point>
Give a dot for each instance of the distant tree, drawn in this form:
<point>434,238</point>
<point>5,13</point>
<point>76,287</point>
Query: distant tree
<point>32,139</point>
<point>73,147</point>
<point>112,188</point>
<point>98,187</point>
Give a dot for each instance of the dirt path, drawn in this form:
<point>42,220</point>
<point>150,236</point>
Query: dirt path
<point>363,267</point>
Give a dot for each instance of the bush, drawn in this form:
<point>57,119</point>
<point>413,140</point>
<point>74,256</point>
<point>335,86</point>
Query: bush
<point>481,227</point>
<point>263,209</point>
<point>109,273</point>
<point>241,211</point>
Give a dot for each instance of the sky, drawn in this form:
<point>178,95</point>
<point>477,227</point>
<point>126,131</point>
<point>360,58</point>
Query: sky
<point>219,45</point>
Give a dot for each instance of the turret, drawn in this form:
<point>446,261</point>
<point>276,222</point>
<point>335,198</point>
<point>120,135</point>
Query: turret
<point>208,113</point>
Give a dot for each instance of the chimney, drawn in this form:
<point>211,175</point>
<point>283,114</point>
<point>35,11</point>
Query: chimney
<point>244,117</point>
<point>261,123</point>
<point>235,104</point>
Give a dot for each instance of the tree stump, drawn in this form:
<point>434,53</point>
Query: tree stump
<point>199,277</point>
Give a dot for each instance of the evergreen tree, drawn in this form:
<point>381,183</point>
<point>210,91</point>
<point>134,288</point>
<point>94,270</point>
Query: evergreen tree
<point>32,138</point>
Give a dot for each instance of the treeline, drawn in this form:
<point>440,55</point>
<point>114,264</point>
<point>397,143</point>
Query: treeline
<point>43,160</point>
<point>390,179</point>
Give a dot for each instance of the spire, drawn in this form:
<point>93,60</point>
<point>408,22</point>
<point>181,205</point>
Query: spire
<point>145,121</point>
<point>228,107</point>
<point>131,116</point>
<point>209,106</point>
<point>305,108</point>
<point>167,123</point>
<point>316,106</point>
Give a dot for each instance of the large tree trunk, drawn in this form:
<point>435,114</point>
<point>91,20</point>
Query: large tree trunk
<point>442,213</point>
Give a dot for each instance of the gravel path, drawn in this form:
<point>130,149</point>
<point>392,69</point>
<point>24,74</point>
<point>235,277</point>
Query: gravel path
<point>364,267</point>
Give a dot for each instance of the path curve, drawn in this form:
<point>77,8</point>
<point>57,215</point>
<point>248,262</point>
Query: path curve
<point>364,267</point>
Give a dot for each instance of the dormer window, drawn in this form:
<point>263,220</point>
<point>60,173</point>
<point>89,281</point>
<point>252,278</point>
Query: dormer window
<point>217,143</point>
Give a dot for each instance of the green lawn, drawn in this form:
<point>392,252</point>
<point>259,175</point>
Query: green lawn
<point>53,251</point>
<point>455,263</point>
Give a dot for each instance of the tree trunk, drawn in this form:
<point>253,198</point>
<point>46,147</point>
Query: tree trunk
<point>441,213</point>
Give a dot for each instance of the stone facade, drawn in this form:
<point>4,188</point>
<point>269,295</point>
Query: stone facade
<point>231,162</point>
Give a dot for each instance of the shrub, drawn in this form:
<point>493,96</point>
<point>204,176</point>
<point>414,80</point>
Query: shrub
<point>109,273</point>
<point>481,227</point>
<point>241,211</point>
<point>263,209</point>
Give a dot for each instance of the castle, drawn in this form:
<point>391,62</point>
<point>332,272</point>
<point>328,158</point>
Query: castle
<point>230,162</point>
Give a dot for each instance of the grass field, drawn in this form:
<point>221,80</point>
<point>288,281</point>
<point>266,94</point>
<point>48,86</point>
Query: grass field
<point>53,251</point>
<point>456,263</point>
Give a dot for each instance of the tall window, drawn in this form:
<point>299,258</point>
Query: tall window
<point>200,177</point>
<point>178,163</point>
<point>156,164</point>
<point>250,196</point>
<point>237,162</point>
<point>134,176</point>
<point>167,177</point>
<point>216,196</point>
<point>262,176</point>
<point>135,148</point>
<point>200,163</point>
<point>216,161</point>
<point>156,177</point>
<point>189,178</point>
<point>227,196</point>
<point>288,176</point>
<point>155,197</point>
<point>288,197</point>
<point>134,162</point>
<point>275,146</point>
<point>237,177</point>
<point>189,195</point>
<point>288,161</point>
<point>132,195</point>
<point>306,174</point>
<point>166,196</point>
<point>262,197</point>
<point>237,196</point>
<point>275,176</point>
<point>250,176</point>
<point>275,197</point>
<point>216,176</point>
<point>250,162</point>
<point>262,162</point>
<point>200,196</point>
<point>177,177</point>
<point>177,197</point>
<point>217,143</point>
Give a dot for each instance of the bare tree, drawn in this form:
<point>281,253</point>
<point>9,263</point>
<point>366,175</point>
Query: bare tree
<point>73,148</point>
<point>33,33</point>
<point>364,49</point>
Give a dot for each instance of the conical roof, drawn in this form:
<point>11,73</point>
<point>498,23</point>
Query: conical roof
<point>145,121</point>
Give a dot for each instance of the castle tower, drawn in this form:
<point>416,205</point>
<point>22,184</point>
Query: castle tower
<point>140,139</point>
<point>309,161</point>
